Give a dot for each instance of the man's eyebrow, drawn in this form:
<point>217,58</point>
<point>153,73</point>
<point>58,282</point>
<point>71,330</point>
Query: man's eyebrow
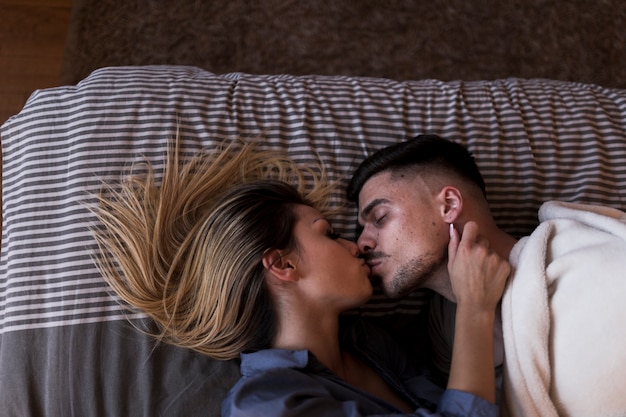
<point>368,209</point>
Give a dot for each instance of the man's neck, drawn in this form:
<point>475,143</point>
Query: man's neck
<point>500,241</point>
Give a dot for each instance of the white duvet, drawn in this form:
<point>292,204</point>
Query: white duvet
<point>564,316</point>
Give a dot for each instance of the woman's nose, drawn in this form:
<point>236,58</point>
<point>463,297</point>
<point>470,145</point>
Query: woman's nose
<point>352,247</point>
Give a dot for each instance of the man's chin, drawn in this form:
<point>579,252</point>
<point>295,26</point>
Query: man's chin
<point>402,285</point>
<point>393,292</point>
<point>395,287</point>
<point>380,286</point>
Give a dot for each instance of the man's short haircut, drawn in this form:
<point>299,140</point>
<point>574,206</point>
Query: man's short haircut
<point>421,151</point>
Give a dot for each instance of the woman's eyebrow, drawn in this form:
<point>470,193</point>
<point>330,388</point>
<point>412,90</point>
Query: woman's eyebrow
<point>320,219</point>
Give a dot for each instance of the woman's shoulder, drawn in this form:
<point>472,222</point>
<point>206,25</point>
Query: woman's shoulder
<point>285,368</point>
<point>265,360</point>
<point>271,380</point>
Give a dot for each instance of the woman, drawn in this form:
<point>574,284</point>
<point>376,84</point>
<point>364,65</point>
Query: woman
<point>231,260</point>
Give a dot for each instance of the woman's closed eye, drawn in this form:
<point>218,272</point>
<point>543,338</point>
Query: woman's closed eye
<point>332,234</point>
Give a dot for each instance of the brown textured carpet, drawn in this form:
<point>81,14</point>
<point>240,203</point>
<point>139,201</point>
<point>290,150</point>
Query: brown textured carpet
<point>577,40</point>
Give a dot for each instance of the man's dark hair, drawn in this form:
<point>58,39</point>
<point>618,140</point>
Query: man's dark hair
<point>422,150</point>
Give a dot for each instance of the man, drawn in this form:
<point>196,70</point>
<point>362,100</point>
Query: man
<point>572,267</point>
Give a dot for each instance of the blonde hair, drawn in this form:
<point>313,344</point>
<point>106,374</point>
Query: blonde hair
<point>188,252</point>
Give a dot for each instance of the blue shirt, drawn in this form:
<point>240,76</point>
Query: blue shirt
<point>279,382</point>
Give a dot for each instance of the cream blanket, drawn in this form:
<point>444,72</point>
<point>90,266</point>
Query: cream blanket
<point>564,316</point>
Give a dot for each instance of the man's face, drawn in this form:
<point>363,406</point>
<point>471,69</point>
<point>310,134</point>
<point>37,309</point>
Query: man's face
<point>331,275</point>
<point>404,238</point>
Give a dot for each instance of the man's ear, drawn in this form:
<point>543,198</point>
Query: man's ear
<point>280,265</point>
<point>451,203</point>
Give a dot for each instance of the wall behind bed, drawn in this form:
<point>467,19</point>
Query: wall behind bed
<point>576,40</point>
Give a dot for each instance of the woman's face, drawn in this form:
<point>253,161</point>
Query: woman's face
<point>330,270</point>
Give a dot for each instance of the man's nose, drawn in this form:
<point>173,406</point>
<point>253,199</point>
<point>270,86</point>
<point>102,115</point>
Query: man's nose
<point>365,243</point>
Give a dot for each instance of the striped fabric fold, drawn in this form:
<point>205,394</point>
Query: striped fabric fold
<point>534,140</point>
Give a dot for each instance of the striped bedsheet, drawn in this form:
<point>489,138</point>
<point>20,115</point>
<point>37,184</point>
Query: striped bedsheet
<point>534,140</point>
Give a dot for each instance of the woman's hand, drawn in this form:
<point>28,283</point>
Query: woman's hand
<point>477,276</point>
<point>477,273</point>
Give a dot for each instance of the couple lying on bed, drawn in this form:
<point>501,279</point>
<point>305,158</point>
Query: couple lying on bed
<point>233,257</point>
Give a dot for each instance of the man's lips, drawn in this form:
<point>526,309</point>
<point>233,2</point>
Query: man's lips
<point>374,260</point>
<point>373,265</point>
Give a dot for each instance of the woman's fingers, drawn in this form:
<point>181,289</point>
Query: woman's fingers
<point>477,273</point>
<point>454,243</point>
